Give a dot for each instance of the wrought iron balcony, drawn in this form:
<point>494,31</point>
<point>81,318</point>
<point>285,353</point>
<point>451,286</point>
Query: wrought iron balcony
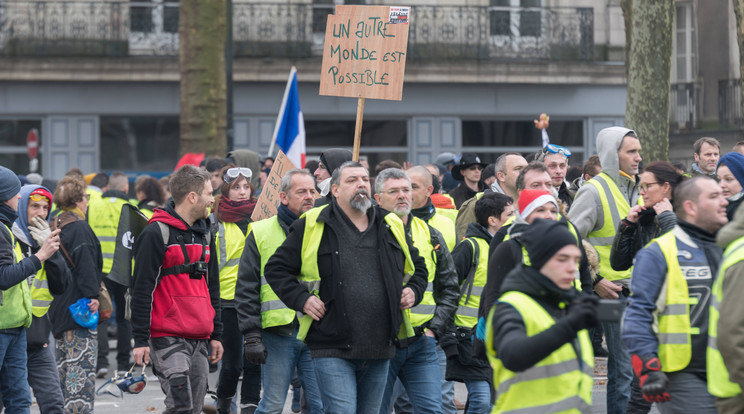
<point>684,106</point>
<point>729,103</point>
<point>125,28</point>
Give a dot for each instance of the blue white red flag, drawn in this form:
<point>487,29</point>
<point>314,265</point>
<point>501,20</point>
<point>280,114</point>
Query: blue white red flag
<point>289,132</point>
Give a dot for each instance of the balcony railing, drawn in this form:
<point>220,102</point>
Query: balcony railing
<point>124,28</point>
<point>729,103</point>
<point>684,106</point>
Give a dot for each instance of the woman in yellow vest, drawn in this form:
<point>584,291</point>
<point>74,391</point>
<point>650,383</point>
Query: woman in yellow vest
<point>233,209</point>
<point>536,338</point>
<point>149,193</point>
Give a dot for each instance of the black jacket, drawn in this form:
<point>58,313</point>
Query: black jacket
<point>333,331</point>
<point>515,349</point>
<point>87,261</point>
<point>564,194</point>
<point>463,193</point>
<point>631,237</point>
<point>248,286</point>
<point>446,287</point>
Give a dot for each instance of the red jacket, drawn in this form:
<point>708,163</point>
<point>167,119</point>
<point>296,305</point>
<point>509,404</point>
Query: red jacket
<point>182,304</point>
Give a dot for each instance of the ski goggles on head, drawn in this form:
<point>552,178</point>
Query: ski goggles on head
<point>233,173</point>
<point>557,149</point>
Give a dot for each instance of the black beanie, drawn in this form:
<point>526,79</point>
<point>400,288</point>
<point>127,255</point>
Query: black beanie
<point>543,238</point>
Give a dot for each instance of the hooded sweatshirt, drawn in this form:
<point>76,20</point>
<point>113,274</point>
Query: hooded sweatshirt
<point>331,159</point>
<point>249,159</point>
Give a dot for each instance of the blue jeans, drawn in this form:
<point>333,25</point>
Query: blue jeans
<point>448,387</point>
<point>42,370</point>
<point>351,385</point>
<point>479,397</point>
<point>619,369</point>
<point>417,366</point>
<point>14,372</point>
<point>284,354</point>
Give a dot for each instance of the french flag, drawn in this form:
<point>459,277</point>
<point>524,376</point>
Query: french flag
<point>289,132</point>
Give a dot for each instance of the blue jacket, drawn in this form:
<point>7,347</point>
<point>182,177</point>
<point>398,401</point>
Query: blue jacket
<point>699,258</point>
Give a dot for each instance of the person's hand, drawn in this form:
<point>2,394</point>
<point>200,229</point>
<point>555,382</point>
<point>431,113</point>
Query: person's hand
<point>543,122</point>
<point>633,213</point>
<point>216,354</point>
<point>39,230</point>
<point>50,245</point>
<point>407,165</point>
<point>607,290</point>
<point>654,383</point>
<point>429,332</point>
<point>662,206</point>
<point>407,298</point>
<point>141,355</point>
<point>253,348</point>
<point>314,307</point>
<point>93,305</point>
<point>582,314</point>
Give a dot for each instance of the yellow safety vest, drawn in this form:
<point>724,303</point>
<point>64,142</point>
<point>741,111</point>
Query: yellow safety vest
<point>310,276</point>
<point>719,382</point>
<point>421,235</point>
<point>445,226</point>
<point>41,297</point>
<point>230,243</point>
<point>562,382</point>
<point>615,208</point>
<point>94,194</point>
<point>269,235</point>
<point>467,309</point>
<point>449,213</point>
<point>147,213</point>
<point>15,302</point>
<point>674,333</point>
<point>103,218</point>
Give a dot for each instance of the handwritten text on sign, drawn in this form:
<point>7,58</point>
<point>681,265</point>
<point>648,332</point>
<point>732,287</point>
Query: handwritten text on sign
<point>269,199</point>
<point>364,53</point>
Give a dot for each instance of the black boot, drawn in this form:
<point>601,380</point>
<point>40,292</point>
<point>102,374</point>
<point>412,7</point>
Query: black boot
<point>223,405</point>
<point>249,409</point>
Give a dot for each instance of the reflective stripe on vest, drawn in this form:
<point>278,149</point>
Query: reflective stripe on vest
<point>103,218</point>
<point>674,334</point>
<point>230,243</point>
<point>41,297</point>
<point>310,276</point>
<point>719,382</point>
<point>15,302</point>
<point>446,227</point>
<point>269,235</point>
<point>614,207</point>
<point>421,235</point>
<point>569,376</point>
<point>467,309</point>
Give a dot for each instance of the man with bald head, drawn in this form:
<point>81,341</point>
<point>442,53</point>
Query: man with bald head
<point>422,188</point>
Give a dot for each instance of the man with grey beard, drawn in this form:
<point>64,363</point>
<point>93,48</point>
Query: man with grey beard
<point>354,273</point>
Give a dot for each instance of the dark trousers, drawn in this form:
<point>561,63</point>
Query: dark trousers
<point>233,362</point>
<point>123,330</point>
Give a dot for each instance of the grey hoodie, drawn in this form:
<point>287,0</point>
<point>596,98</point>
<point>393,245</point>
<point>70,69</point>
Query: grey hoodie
<point>586,212</point>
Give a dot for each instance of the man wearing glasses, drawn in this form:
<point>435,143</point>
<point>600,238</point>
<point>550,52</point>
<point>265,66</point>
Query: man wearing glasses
<point>555,159</point>
<point>469,172</point>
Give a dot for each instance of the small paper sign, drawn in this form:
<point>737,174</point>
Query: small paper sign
<point>399,15</point>
<point>269,199</point>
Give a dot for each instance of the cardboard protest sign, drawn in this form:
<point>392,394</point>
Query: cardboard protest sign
<point>364,54</point>
<point>269,200</point>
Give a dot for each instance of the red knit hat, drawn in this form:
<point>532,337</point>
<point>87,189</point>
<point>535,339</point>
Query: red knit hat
<point>529,200</point>
<point>43,192</point>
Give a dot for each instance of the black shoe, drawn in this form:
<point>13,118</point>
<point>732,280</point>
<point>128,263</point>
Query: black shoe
<point>600,352</point>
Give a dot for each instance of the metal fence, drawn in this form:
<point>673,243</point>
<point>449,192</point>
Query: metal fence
<point>729,103</point>
<point>123,28</point>
<point>684,106</point>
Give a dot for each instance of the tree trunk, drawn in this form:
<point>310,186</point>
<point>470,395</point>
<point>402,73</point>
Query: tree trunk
<point>647,109</point>
<point>739,12</point>
<point>627,7</point>
<point>201,34</point>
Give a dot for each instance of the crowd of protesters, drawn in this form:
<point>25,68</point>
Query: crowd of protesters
<point>375,293</point>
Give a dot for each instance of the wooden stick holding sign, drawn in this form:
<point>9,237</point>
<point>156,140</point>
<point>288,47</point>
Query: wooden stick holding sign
<point>364,56</point>
<point>268,201</point>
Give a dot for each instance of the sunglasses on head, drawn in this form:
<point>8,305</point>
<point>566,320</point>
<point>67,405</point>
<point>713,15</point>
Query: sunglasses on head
<point>233,173</point>
<point>557,149</point>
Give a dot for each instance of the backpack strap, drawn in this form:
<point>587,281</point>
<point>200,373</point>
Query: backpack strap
<point>467,284</point>
<point>196,270</point>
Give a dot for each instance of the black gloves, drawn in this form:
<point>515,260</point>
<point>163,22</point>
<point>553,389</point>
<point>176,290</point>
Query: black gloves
<point>654,383</point>
<point>582,314</point>
<point>254,349</point>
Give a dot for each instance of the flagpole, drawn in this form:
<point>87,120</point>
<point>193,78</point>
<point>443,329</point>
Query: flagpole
<point>281,110</point>
<point>358,129</point>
